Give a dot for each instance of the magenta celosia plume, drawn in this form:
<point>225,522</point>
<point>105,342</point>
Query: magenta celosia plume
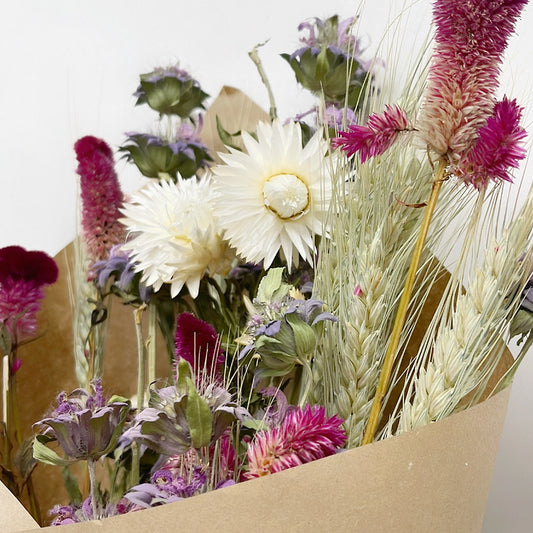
<point>470,40</point>
<point>497,149</point>
<point>100,195</point>
<point>197,342</point>
<point>22,277</point>
<point>305,435</point>
<point>376,136</point>
<point>459,118</point>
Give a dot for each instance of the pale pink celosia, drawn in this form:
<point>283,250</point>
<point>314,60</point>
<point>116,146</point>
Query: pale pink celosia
<point>459,118</point>
<point>470,39</point>
<point>101,197</point>
<point>305,435</point>
<point>378,134</point>
<point>22,277</point>
<point>497,149</point>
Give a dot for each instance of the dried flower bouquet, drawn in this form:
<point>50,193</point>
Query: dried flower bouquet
<point>283,278</point>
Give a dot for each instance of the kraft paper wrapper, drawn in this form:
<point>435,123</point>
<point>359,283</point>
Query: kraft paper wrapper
<point>434,479</point>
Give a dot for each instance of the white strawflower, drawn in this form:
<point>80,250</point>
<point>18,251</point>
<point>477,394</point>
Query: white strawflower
<point>174,238</point>
<point>275,195</point>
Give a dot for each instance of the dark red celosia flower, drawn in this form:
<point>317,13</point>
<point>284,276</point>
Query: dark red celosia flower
<point>101,197</point>
<point>378,134</point>
<point>498,148</point>
<point>305,435</point>
<point>22,275</point>
<point>197,342</point>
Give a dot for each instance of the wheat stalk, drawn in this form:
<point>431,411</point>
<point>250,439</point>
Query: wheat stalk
<point>369,250</point>
<point>465,347</point>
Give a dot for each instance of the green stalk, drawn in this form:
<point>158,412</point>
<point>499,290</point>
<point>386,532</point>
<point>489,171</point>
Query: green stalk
<point>141,359</point>
<point>91,466</point>
<point>401,313</point>
<point>135,466</point>
<point>151,344</point>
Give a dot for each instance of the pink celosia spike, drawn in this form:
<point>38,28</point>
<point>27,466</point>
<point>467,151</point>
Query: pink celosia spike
<point>101,197</point>
<point>379,133</point>
<point>498,148</point>
<point>305,435</point>
<point>470,39</point>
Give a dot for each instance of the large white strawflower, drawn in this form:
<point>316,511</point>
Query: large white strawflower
<point>174,238</point>
<point>275,195</point>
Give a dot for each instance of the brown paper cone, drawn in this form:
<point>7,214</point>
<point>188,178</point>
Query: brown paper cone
<point>434,479</point>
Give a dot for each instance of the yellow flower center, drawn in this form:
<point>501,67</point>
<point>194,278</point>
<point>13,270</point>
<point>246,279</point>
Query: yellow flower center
<point>286,195</point>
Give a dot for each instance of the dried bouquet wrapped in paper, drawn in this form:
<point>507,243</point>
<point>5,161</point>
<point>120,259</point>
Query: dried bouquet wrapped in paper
<point>274,294</point>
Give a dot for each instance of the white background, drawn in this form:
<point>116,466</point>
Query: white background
<point>68,68</point>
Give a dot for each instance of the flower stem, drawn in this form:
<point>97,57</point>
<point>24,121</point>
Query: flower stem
<point>141,359</point>
<point>135,465</point>
<point>151,342</point>
<point>401,313</point>
<point>34,504</point>
<point>91,466</point>
<point>254,56</point>
<point>307,380</point>
<point>13,419</point>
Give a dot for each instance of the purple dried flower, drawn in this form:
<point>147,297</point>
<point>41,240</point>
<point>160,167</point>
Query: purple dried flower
<point>85,424</point>
<point>23,275</point>
<point>167,426</point>
<point>167,486</point>
<point>336,117</point>
<point>101,197</point>
<point>119,265</point>
<point>331,33</point>
<point>330,61</point>
<point>156,157</point>
<point>73,514</point>
<point>170,91</point>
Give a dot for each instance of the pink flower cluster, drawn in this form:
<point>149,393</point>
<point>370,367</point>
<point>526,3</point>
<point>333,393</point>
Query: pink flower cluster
<point>22,277</point>
<point>470,40</point>
<point>101,197</point>
<point>305,435</point>
<point>378,134</point>
<point>460,118</point>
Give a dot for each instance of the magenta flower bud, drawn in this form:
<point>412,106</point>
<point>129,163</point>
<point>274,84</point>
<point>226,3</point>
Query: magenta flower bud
<point>197,342</point>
